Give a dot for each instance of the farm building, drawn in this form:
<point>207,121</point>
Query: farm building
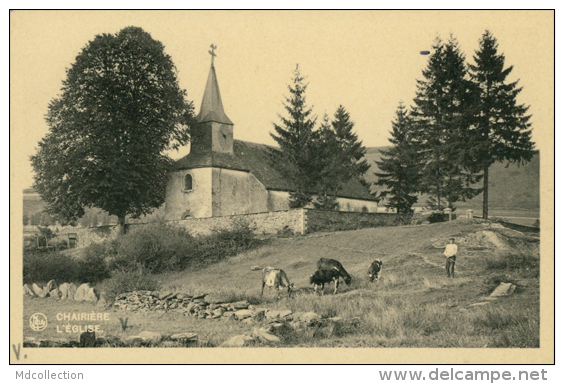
<point>222,176</point>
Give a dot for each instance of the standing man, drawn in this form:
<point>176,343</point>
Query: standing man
<point>450,254</point>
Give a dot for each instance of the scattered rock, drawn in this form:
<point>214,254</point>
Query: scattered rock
<point>265,336</point>
<point>240,305</point>
<point>184,337</point>
<point>72,291</point>
<point>504,289</point>
<point>309,317</point>
<point>64,289</point>
<point>102,303</point>
<point>243,314</point>
<point>259,315</point>
<point>28,291</point>
<point>238,341</point>
<point>152,337</point>
<point>218,311</point>
<point>87,339</point>
<point>479,304</point>
<point>54,293</point>
<point>272,314</point>
<point>280,328</point>
<point>81,292</point>
<point>50,285</point>
<point>255,268</point>
<point>38,291</point>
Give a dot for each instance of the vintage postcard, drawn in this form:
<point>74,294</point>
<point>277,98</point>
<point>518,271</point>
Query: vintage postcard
<point>282,187</point>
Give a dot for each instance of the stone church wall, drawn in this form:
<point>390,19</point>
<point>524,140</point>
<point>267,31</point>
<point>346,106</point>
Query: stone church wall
<point>237,193</point>
<point>196,202</point>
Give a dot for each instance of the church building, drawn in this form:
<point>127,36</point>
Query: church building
<point>222,176</point>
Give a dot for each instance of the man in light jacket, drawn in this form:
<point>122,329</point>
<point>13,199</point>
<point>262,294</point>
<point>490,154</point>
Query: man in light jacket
<point>450,254</point>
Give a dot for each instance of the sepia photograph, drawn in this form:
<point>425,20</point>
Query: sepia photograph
<point>276,186</point>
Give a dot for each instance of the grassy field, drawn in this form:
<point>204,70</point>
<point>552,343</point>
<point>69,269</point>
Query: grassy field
<point>413,305</point>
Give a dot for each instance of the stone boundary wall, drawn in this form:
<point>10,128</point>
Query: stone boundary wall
<point>318,220</point>
<point>267,223</point>
<point>288,222</point>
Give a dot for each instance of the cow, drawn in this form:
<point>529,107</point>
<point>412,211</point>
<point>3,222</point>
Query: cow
<point>329,264</point>
<point>322,277</point>
<point>374,270</point>
<point>276,278</point>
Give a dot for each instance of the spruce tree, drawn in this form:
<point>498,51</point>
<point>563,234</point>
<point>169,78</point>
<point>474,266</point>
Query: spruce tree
<point>400,167</point>
<point>503,126</point>
<point>329,166</point>
<point>295,136</point>
<point>443,113</point>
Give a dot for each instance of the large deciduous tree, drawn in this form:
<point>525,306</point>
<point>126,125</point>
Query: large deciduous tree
<point>444,111</point>
<point>400,167</point>
<point>295,136</point>
<point>120,109</point>
<point>503,126</point>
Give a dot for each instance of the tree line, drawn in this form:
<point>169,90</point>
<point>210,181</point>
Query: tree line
<point>464,118</point>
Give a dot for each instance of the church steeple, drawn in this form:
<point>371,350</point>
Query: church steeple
<point>215,129</point>
<point>212,107</point>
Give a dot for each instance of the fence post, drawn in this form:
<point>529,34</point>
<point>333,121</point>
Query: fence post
<point>302,221</point>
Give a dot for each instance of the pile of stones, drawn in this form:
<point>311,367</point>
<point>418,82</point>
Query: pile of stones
<point>65,291</point>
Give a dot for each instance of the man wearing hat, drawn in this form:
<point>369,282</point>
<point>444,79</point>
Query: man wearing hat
<point>450,254</point>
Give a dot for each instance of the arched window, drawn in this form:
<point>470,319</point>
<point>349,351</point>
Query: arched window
<point>188,182</point>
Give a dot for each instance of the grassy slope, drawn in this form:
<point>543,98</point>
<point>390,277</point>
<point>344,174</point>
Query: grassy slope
<point>413,305</point>
<point>515,187</point>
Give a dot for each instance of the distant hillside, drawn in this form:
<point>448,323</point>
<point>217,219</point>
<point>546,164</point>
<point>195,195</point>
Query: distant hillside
<point>516,187</point>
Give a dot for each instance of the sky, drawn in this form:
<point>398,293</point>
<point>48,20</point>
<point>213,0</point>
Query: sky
<point>367,61</point>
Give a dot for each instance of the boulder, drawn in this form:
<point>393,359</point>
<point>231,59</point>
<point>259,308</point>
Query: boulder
<point>28,291</point>
<point>72,291</point>
<point>152,337</point>
<point>265,336</point>
<point>190,307</point>
<point>240,305</point>
<point>285,313</point>
<point>228,316</point>
<point>85,293</point>
<point>272,314</point>
<point>50,285</point>
<point>238,341</point>
<point>259,315</point>
<point>504,289</point>
<point>87,339</point>
<point>102,303</point>
<point>64,289</point>
<point>243,314</point>
<point>184,337</point>
<point>38,291</point>
<point>54,293</point>
<point>309,317</point>
<point>218,311</point>
<point>280,328</point>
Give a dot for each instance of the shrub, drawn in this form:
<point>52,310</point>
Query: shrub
<point>42,266</point>
<point>127,281</point>
<point>437,217</point>
<point>92,269</point>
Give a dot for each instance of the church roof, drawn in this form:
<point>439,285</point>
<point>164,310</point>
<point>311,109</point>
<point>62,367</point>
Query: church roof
<point>258,159</point>
<point>212,107</point>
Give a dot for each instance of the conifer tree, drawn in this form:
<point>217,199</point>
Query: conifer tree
<point>443,113</point>
<point>295,136</point>
<point>503,126</point>
<point>329,166</point>
<point>400,167</point>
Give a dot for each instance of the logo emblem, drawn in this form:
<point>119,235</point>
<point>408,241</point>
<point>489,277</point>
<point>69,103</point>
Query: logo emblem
<point>38,322</point>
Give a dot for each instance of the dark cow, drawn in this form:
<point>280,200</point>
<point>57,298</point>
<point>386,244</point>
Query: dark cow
<point>374,270</point>
<point>275,278</point>
<point>322,277</point>
<point>328,264</point>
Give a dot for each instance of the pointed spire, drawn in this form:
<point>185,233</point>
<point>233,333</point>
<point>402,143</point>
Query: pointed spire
<point>212,107</point>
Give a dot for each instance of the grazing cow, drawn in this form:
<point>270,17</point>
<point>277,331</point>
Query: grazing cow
<point>374,270</point>
<point>322,277</point>
<point>275,278</point>
<point>328,264</point>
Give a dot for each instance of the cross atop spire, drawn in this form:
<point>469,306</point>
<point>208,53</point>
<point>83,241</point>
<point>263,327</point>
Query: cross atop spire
<point>211,51</point>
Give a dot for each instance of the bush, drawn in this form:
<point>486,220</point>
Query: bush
<point>92,269</point>
<point>437,217</point>
<point>160,247</point>
<point>41,266</point>
<point>122,282</point>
